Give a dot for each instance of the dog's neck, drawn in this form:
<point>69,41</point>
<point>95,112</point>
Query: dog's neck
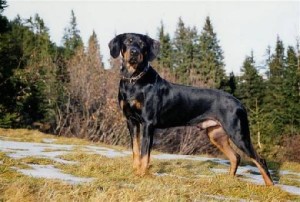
<point>136,75</point>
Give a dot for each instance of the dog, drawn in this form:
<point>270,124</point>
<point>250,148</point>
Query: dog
<point>149,102</point>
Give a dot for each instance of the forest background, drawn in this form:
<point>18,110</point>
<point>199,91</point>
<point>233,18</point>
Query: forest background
<point>65,90</point>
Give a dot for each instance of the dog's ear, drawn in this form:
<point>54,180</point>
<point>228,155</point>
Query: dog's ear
<point>115,45</point>
<point>154,47</point>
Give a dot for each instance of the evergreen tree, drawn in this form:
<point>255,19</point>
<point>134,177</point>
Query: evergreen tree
<point>291,93</point>
<point>3,20</point>
<point>165,55</point>
<point>184,40</point>
<point>72,39</point>
<point>3,5</point>
<point>38,75</point>
<point>274,98</point>
<point>251,92</point>
<point>251,86</point>
<point>27,70</point>
<point>211,67</point>
<point>229,84</point>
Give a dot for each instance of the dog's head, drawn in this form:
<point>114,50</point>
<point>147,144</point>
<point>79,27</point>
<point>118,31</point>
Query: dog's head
<point>137,50</point>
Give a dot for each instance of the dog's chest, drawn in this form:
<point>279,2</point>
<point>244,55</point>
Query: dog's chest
<point>131,100</point>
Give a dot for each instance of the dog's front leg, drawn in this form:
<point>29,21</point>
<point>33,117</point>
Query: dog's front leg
<point>147,142</point>
<point>134,130</point>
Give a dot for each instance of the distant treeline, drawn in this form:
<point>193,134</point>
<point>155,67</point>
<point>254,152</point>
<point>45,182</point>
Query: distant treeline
<point>65,89</point>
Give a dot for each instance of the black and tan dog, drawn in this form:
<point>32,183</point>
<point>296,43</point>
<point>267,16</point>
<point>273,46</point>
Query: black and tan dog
<point>150,102</point>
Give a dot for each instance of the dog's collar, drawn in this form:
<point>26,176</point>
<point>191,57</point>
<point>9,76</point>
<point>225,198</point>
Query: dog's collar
<point>134,79</point>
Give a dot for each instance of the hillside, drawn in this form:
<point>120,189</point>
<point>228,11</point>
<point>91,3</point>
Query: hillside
<point>35,166</point>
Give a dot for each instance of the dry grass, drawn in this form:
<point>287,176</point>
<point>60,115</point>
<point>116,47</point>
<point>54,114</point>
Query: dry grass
<point>180,180</point>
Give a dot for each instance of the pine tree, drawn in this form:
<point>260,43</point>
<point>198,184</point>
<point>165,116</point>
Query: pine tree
<point>38,76</point>
<point>251,86</point>
<point>72,39</point>
<point>3,20</point>
<point>250,91</point>
<point>274,98</point>
<point>3,4</point>
<point>183,43</point>
<point>229,84</point>
<point>211,67</point>
<point>291,93</point>
<point>165,55</point>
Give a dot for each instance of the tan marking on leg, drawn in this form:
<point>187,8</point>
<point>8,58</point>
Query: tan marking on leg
<point>136,153</point>
<point>144,165</point>
<point>220,139</point>
<point>136,150</point>
<point>208,123</point>
<point>267,179</point>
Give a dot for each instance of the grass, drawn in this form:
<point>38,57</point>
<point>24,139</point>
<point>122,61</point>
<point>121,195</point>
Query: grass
<point>114,180</point>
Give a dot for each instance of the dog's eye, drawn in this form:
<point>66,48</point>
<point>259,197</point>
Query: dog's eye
<point>141,43</point>
<point>129,41</point>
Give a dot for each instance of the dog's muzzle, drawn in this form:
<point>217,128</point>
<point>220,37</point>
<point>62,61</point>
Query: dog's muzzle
<point>134,55</point>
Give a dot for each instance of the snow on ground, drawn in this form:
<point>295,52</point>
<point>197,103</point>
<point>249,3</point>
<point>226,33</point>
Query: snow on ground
<point>49,150</point>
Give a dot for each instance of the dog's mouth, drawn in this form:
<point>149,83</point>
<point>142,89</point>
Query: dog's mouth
<point>133,61</point>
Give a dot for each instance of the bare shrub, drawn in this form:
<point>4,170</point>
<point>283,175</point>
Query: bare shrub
<point>90,108</point>
<point>184,140</point>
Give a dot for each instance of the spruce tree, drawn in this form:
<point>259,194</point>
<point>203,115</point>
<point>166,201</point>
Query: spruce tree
<point>183,57</point>
<point>274,98</point>
<point>165,54</point>
<point>211,67</point>
<point>72,39</point>
<point>38,75</point>
<point>251,86</point>
<point>291,93</point>
<point>3,5</point>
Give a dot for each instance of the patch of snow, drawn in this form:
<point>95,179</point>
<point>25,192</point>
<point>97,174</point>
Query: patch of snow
<point>19,150</point>
<point>287,172</point>
<point>109,153</point>
<point>26,149</point>
<point>48,140</point>
<point>50,172</point>
<point>291,189</point>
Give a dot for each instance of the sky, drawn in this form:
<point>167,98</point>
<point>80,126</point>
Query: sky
<point>241,26</point>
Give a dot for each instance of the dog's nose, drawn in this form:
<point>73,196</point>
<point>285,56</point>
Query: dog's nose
<point>133,52</point>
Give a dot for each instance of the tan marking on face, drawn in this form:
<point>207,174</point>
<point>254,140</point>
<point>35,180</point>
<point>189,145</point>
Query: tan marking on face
<point>126,55</point>
<point>132,67</point>
<point>140,58</point>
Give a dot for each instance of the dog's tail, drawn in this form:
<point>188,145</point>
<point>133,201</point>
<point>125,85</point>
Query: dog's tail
<point>239,132</point>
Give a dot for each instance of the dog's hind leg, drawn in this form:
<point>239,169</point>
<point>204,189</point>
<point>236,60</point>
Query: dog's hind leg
<point>220,139</point>
<point>240,135</point>
<point>263,169</point>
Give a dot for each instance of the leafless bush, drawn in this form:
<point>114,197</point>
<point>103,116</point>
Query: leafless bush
<point>89,109</point>
<point>184,140</point>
